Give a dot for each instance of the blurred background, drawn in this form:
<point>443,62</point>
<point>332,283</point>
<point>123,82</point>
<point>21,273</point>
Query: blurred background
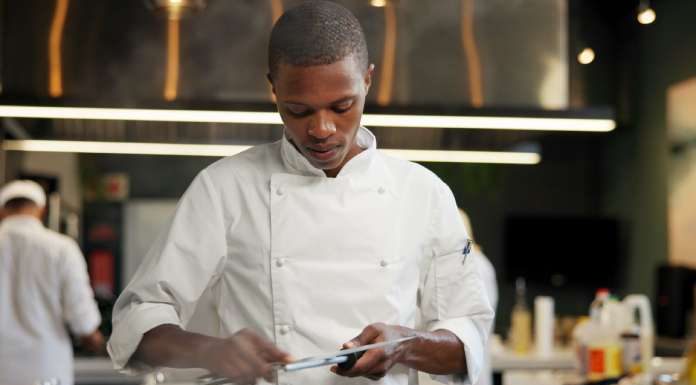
<point>598,95</point>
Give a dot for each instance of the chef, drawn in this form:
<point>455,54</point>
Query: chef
<point>312,243</point>
<point>43,286</point>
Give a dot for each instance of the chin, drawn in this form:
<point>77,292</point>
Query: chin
<point>327,164</point>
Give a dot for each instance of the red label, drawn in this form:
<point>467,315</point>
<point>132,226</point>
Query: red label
<point>596,361</point>
<point>101,272</point>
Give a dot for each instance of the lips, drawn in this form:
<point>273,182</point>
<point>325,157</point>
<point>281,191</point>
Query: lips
<point>322,153</point>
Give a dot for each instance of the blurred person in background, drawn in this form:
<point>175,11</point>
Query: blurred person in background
<point>43,286</point>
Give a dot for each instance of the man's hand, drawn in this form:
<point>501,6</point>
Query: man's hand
<point>375,363</point>
<point>437,352</point>
<point>244,357</point>
<point>93,342</point>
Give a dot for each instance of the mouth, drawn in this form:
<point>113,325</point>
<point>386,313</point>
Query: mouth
<point>321,153</point>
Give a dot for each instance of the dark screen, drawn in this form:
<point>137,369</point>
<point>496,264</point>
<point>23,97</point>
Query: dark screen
<point>563,251</point>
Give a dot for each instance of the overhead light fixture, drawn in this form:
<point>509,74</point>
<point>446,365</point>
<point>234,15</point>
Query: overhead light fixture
<point>490,122</point>
<point>378,3</point>
<point>646,15</point>
<point>370,120</point>
<point>586,56</point>
<point>176,8</point>
<point>497,157</point>
<point>220,150</point>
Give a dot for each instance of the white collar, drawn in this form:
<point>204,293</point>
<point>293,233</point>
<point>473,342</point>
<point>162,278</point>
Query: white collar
<point>295,161</point>
<point>21,221</point>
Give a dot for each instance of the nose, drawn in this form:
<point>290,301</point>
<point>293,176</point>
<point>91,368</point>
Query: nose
<point>321,126</point>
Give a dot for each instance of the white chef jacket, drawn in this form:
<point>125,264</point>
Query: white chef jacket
<point>490,283</point>
<point>487,272</point>
<point>43,286</point>
<point>309,261</point>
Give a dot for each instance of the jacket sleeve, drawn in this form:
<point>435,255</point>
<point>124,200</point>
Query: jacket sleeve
<point>452,292</point>
<point>175,272</point>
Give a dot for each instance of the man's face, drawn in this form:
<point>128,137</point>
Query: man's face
<point>321,107</point>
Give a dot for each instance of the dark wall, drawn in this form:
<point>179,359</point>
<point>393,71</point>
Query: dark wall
<point>637,167</point>
<point>563,184</point>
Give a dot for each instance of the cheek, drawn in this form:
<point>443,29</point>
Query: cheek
<point>350,121</point>
<point>293,129</point>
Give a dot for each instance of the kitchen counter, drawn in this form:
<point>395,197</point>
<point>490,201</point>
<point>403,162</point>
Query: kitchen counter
<point>505,360</point>
<point>100,371</point>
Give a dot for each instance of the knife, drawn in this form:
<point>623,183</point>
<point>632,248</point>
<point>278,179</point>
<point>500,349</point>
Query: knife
<point>345,359</point>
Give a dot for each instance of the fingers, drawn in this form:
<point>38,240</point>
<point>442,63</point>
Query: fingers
<point>269,351</point>
<point>247,365</point>
<point>246,357</point>
<point>370,361</point>
<point>375,363</point>
<point>369,334</point>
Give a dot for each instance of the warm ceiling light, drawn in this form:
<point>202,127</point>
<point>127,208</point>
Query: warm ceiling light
<point>176,8</point>
<point>220,150</point>
<point>646,15</point>
<point>499,157</point>
<point>586,56</point>
<point>251,117</point>
<point>378,3</point>
<point>490,122</point>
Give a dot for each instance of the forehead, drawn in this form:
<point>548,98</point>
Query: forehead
<point>326,80</point>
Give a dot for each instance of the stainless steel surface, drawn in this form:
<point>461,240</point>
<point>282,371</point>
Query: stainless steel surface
<point>115,52</point>
<point>100,371</point>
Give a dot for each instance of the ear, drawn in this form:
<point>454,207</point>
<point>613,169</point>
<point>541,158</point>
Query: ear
<point>270,81</point>
<point>368,77</point>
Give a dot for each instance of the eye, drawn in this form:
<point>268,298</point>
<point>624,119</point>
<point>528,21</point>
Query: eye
<point>298,111</point>
<point>342,108</point>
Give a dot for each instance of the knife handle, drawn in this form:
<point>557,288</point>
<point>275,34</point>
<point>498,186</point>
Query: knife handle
<point>352,359</point>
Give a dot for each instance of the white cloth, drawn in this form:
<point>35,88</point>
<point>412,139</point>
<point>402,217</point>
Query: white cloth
<point>27,189</point>
<point>43,286</point>
<point>487,272</point>
<point>308,261</point>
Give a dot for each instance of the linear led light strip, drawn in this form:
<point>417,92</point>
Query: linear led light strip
<point>227,150</point>
<point>250,117</point>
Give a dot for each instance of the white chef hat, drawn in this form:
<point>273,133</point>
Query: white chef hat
<point>23,189</point>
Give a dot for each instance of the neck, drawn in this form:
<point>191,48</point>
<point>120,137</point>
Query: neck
<point>34,212</point>
<point>355,150</point>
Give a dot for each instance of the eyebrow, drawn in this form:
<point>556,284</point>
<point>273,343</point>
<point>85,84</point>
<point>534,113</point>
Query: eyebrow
<point>335,102</point>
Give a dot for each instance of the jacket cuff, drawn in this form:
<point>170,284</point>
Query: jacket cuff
<point>128,331</point>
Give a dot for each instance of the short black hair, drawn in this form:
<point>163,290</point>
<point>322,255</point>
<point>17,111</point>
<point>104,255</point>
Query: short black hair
<point>315,33</point>
<point>16,204</point>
